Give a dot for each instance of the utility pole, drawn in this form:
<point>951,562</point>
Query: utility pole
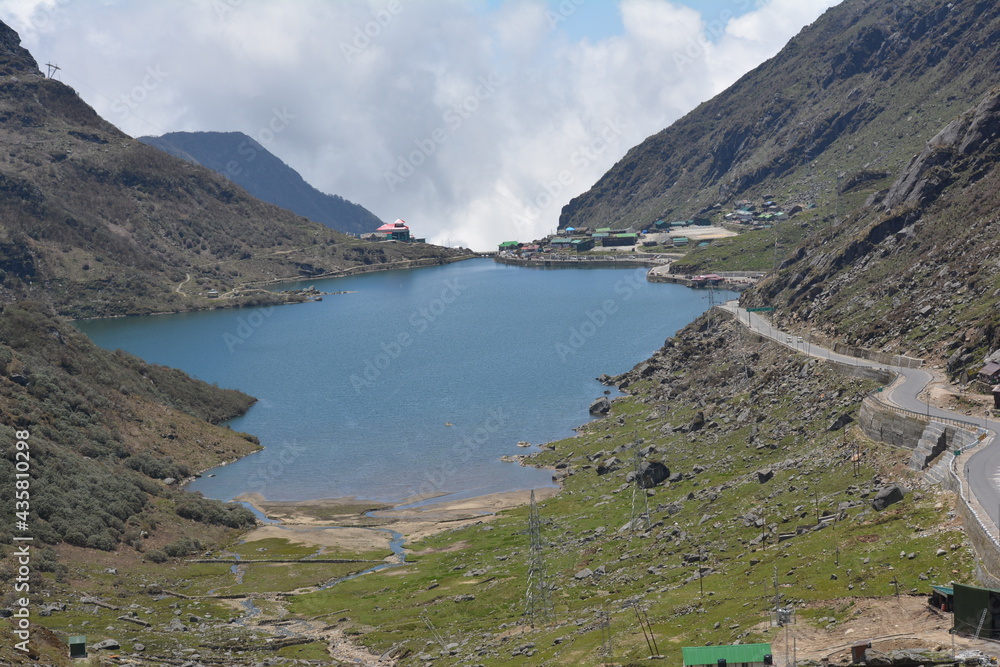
<point>647,631</point>
<point>701,572</point>
<point>777,618</point>
<point>763,528</point>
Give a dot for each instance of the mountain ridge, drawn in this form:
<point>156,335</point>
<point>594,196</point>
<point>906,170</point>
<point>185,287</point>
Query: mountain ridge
<point>99,224</point>
<point>859,89</point>
<point>246,162</point>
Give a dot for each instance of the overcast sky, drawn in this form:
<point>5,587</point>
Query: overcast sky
<point>473,120</point>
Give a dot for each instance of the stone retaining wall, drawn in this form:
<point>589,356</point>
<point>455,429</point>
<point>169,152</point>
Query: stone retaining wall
<point>880,423</point>
<point>877,357</point>
<point>985,546</point>
<point>865,372</point>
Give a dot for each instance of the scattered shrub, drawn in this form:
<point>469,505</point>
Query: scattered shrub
<point>156,556</point>
<point>206,510</point>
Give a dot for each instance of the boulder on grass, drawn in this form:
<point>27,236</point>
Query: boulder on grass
<point>888,495</point>
<point>652,473</point>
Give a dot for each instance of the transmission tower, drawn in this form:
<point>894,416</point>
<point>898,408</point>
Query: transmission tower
<point>607,647</point>
<point>639,515</point>
<point>52,69</point>
<point>538,605</point>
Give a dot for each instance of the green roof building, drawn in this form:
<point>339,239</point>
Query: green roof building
<point>977,611</point>
<point>77,646</point>
<point>734,655</point>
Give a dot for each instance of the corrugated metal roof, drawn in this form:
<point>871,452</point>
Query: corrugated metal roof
<point>733,654</point>
<point>945,590</point>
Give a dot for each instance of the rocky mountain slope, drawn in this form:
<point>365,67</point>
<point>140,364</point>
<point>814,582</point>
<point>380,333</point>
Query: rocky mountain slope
<point>101,224</point>
<point>837,113</point>
<point>245,162</point>
<point>914,269</point>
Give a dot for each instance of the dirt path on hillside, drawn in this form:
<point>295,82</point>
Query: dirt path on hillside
<point>889,623</point>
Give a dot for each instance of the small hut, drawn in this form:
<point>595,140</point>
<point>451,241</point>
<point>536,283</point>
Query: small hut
<point>77,646</point>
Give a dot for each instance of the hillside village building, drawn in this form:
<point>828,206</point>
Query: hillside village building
<point>394,231</point>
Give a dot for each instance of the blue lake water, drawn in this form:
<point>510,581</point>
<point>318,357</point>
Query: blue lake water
<point>419,380</point>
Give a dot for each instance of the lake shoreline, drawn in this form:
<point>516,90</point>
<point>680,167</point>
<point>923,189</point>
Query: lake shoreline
<point>364,525</point>
<point>587,321</point>
<point>293,297</point>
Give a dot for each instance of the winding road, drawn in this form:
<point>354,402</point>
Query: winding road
<point>982,469</point>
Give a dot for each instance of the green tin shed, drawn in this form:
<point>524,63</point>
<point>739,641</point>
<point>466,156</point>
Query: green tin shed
<point>77,646</point>
<point>734,655</point>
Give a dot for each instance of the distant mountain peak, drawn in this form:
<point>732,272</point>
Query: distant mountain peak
<point>244,161</point>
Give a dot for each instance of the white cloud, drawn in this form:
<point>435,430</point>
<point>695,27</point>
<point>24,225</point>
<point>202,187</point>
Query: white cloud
<point>475,127</point>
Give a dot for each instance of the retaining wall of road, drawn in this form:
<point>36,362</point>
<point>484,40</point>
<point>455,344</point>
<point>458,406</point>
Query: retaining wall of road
<point>877,357</point>
<point>985,545</point>
<point>886,424</point>
<point>865,372</point>
<point>896,426</point>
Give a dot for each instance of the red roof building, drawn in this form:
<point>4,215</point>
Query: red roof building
<point>394,231</point>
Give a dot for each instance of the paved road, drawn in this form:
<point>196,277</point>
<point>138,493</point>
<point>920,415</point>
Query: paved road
<point>982,469</point>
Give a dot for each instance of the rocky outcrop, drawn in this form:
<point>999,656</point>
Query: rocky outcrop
<point>972,135</point>
<point>600,406</point>
<point>888,495</point>
<point>14,58</point>
<point>857,59</point>
<point>652,473</point>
